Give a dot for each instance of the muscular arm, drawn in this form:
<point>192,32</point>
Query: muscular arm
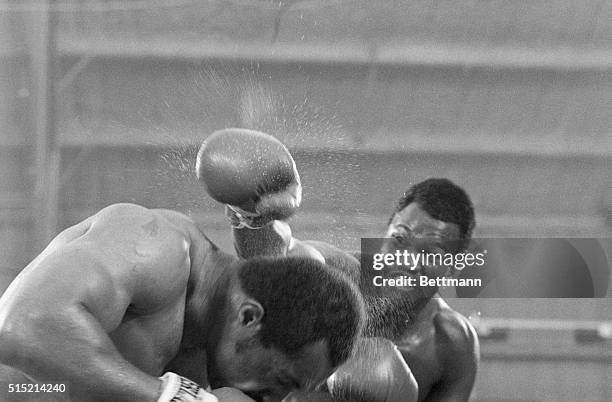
<point>56,316</point>
<point>57,330</point>
<point>459,351</point>
<point>276,239</point>
<point>273,239</point>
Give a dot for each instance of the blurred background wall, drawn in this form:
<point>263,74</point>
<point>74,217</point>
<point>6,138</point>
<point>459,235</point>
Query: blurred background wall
<point>107,101</point>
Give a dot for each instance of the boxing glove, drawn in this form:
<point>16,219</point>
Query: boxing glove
<point>376,373</point>
<point>177,388</point>
<point>252,172</point>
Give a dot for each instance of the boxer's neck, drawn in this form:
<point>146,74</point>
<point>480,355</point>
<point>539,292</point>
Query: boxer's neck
<point>206,298</point>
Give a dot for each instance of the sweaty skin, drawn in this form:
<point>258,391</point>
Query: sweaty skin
<point>118,299</point>
<point>441,349</point>
<point>121,280</point>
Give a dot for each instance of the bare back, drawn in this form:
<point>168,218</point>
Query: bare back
<point>128,267</point>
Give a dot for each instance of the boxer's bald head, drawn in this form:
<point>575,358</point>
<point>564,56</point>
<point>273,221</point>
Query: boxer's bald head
<point>289,322</point>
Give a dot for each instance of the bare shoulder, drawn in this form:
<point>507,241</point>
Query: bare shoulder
<point>457,328</point>
<point>457,338</point>
<point>141,246</point>
<point>136,220</point>
<point>160,236</point>
<point>144,253</point>
<point>129,213</point>
<point>156,234</point>
<point>337,258</point>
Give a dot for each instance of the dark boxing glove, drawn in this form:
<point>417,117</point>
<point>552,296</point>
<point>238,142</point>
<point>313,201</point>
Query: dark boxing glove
<point>180,389</point>
<point>253,173</point>
<point>377,373</point>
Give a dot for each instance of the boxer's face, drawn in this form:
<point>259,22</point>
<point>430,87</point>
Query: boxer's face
<point>265,373</point>
<point>414,230</point>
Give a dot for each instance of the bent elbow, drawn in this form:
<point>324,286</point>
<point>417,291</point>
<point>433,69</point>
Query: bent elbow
<point>15,341</point>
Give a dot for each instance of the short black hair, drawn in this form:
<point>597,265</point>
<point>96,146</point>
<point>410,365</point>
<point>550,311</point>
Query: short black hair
<point>442,200</point>
<point>304,301</point>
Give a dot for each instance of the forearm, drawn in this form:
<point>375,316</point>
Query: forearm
<point>272,239</point>
<point>116,379</point>
<point>79,353</point>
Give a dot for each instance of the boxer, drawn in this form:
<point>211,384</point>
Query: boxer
<point>225,166</point>
<point>131,293</point>
<point>438,343</point>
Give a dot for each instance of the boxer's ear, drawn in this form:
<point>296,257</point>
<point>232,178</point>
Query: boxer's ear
<point>250,313</point>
